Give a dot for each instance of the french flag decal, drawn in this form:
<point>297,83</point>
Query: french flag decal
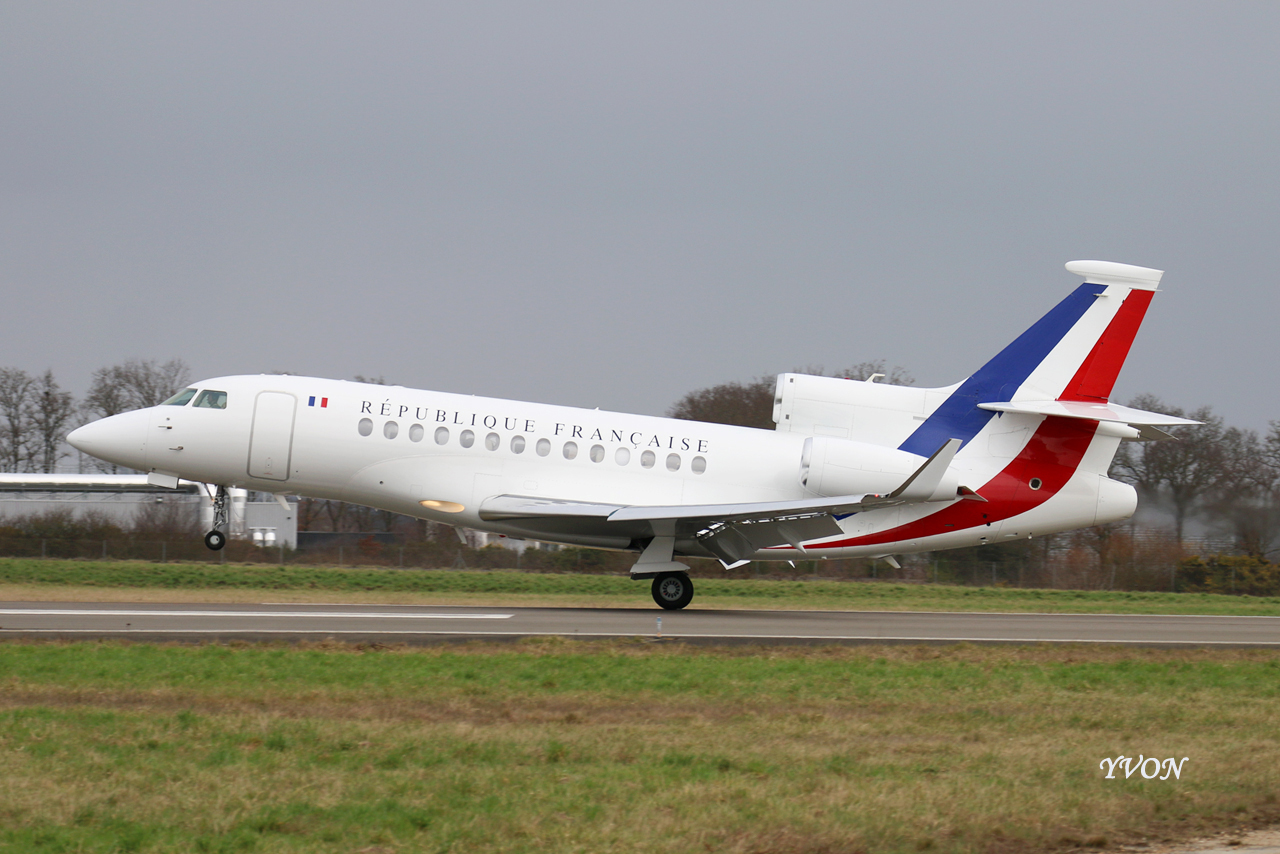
<point>324,402</point>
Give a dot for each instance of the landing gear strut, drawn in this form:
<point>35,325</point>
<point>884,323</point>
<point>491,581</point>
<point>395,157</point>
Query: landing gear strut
<point>216,539</point>
<point>672,590</point>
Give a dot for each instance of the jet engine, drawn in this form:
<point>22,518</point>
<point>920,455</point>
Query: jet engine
<point>831,467</point>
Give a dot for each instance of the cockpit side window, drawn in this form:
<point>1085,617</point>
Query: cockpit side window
<point>210,399</point>
<point>182,398</point>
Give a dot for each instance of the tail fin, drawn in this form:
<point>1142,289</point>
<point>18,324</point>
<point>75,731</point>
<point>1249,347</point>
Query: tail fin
<point>1072,355</point>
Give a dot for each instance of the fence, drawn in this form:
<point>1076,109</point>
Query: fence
<point>187,549</point>
<point>351,551</point>
<point>1118,561</point>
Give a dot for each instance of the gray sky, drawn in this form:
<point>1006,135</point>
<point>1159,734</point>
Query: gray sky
<point>606,204</point>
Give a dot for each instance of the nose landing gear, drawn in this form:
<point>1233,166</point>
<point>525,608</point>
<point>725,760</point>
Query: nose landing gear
<point>216,539</point>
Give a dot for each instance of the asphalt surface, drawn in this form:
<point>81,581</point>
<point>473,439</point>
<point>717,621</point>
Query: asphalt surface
<point>418,624</point>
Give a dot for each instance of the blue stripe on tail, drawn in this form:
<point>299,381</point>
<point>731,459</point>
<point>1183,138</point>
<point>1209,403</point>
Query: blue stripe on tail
<point>959,417</point>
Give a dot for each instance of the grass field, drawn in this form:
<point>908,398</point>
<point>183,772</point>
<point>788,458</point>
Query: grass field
<point>622,747</point>
<point>22,579</point>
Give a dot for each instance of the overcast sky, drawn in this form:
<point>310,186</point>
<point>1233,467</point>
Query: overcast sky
<point>606,204</point>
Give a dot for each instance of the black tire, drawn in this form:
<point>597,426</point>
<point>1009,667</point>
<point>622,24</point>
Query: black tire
<point>215,540</point>
<point>672,590</point>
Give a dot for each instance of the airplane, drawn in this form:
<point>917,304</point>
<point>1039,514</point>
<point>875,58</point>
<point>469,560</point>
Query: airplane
<point>1018,449</point>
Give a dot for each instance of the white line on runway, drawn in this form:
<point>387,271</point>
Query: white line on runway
<point>85,612</point>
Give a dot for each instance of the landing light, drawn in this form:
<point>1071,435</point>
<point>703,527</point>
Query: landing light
<point>442,506</point>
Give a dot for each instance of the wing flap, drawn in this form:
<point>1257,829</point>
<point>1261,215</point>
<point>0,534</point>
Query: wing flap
<point>501,508</point>
<point>731,532</point>
<point>738,541</point>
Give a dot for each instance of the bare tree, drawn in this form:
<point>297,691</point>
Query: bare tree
<point>167,517</point>
<point>336,511</point>
<point>895,375</point>
<point>750,403</point>
<point>51,412</point>
<point>1248,500</point>
<point>308,512</point>
<point>15,415</point>
<point>136,384</point>
<point>1186,472</point>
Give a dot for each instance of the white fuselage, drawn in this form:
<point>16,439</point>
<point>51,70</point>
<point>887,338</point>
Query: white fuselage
<point>440,456</point>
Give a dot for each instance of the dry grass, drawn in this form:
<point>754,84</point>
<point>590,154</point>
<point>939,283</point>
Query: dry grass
<point>77,593</point>
<point>112,581</point>
<point>621,746</point>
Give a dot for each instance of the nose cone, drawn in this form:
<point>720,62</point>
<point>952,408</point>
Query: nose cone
<point>119,439</point>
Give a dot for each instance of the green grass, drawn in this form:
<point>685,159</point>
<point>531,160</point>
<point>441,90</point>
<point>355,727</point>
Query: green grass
<point>554,745</point>
<point>21,578</point>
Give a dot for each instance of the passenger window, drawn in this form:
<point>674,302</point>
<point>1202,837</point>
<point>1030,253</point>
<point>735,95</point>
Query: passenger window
<point>182,398</point>
<point>416,432</point>
<point>442,435</point>
<point>517,444</point>
<point>492,441</point>
<point>622,456</point>
<point>210,399</point>
<point>647,459</point>
<point>467,439</point>
<point>366,426</point>
<point>544,447</point>
<point>570,450</point>
<point>597,453</point>
<point>391,429</point>
<point>673,462</point>
<point>699,465</point>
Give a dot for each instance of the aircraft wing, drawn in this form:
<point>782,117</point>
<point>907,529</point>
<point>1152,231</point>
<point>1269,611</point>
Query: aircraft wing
<point>23,482</point>
<point>734,531</point>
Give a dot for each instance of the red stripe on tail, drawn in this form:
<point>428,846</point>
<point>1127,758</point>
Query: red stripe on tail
<point>1052,455</point>
<point>1097,374</point>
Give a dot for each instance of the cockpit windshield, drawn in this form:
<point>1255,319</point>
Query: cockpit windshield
<point>210,399</point>
<point>182,398</point>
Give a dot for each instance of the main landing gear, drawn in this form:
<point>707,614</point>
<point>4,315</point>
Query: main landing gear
<point>672,590</point>
<point>216,539</point>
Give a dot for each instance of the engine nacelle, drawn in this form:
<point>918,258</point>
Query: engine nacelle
<point>832,467</point>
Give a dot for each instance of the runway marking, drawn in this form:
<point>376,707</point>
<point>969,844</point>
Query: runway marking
<point>84,612</point>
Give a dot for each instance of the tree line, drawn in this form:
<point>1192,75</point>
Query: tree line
<point>36,413</point>
<point>1224,480</point>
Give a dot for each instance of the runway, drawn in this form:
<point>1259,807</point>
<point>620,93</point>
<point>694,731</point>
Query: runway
<point>424,625</point>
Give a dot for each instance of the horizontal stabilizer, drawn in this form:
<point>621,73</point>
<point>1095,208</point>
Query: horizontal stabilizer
<point>1112,412</point>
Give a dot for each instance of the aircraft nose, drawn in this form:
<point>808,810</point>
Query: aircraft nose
<point>119,439</point>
